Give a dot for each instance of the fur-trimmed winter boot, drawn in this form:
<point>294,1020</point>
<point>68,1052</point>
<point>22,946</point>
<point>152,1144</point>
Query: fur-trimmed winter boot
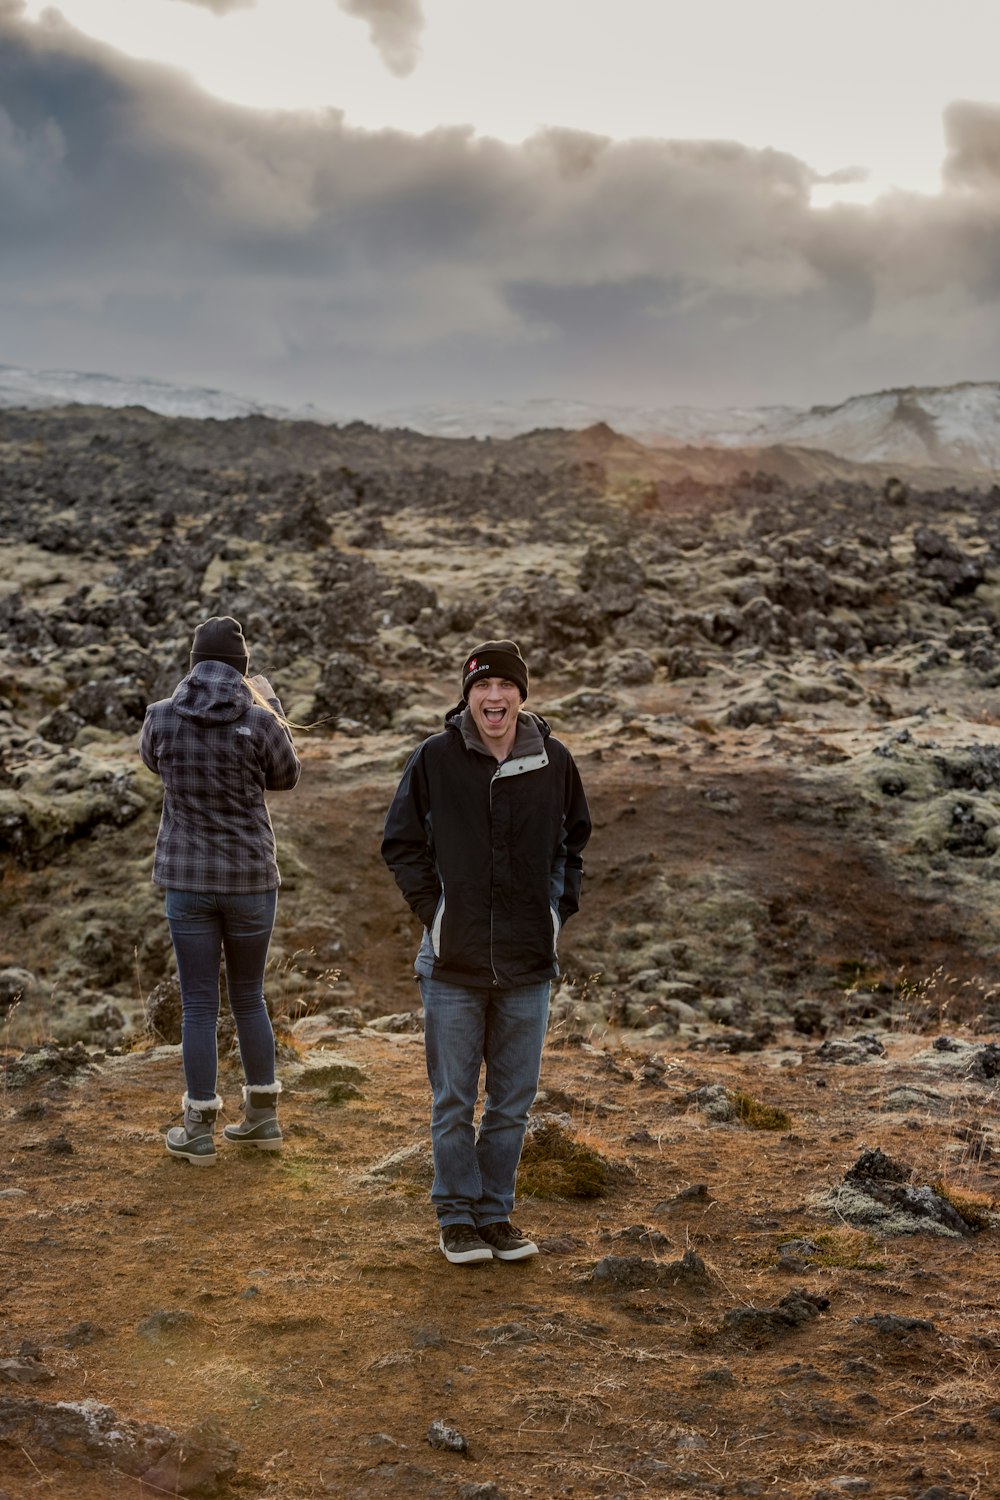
<point>259,1126</point>
<point>194,1141</point>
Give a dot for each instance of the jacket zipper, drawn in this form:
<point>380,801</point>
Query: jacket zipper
<point>493,778</point>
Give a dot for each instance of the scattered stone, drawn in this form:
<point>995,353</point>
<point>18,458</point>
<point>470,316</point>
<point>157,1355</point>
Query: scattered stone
<point>340,1093</point>
<point>558,1244</point>
<point>642,1234</point>
<point>49,1061</point>
<point>427,1337</point>
<point>653,1073</point>
<point>714,1100</point>
<point>448,1439</point>
<point>892,1325</point>
<point>90,1434</point>
<point>696,1192</point>
<point>327,1025</point>
<point>162,1010</point>
<point>24,1371</point>
<point>485,1491</point>
<point>62,796</point>
<point>399,1023</point>
<point>907,1098</point>
<point>199,1464</point>
<point>81,1333</point>
<point>16,984</point>
<point>166,1320</point>
<point>760,1324</point>
<point>985,1063</point>
<point>794,1256</point>
<point>875,1166</point>
<point>765,710</point>
<point>860,1049</point>
<point>320,1069</point>
<point>350,690</point>
<point>876,1191</point>
<point>628,1272</point>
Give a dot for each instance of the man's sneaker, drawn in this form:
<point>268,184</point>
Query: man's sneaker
<point>460,1243</point>
<point>506,1242</point>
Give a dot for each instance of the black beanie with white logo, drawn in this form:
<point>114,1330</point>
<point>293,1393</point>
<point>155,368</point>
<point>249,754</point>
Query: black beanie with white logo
<point>496,659</point>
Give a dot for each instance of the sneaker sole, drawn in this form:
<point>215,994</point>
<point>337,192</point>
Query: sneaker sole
<point>466,1257</point>
<point>524,1252</point>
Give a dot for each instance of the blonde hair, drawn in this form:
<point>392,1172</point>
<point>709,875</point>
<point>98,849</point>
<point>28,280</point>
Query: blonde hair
<point>262,702</point>
<point>289,724</point>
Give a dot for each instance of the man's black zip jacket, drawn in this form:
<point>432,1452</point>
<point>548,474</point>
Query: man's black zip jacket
<point>489,855</point>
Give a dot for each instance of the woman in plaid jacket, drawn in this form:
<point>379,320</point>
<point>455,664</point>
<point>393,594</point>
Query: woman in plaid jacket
<point>218,744</point>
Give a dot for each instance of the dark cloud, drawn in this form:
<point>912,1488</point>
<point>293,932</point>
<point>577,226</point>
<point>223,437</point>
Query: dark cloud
<point>395,27</point>
<point>149,228</point>
<point>972,134</point>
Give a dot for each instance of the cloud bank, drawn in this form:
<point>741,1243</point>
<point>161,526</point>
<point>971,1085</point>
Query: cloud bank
<point>148,228</point>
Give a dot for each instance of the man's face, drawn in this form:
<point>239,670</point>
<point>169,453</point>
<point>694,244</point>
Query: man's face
<point>494,704</point>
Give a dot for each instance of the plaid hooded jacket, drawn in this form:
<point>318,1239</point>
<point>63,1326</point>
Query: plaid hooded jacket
<point>217,752</point>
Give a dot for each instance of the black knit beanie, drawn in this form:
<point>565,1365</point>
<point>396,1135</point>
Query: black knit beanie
<point>496,659</point>
<point>221,639</point>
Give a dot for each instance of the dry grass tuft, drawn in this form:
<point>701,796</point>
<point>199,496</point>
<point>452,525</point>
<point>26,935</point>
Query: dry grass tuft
<point>758,1116</point>
<point>556,1164</point>
<point>979,1210</point>
<point>845,1248</point>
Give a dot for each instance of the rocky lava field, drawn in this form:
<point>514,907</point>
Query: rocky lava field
<point>763,1168</point>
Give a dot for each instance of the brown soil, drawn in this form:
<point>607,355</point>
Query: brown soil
<point>327,1332</point>
<point>831,907</point>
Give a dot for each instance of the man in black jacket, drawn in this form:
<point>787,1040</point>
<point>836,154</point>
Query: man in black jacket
<point>485,838</point>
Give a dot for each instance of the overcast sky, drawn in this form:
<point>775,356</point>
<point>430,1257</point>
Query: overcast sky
<point>368,203</point>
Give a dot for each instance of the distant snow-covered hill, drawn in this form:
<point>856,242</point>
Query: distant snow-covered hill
<point>504,419</point>
<point>953,427</point>
<point>41,388</point>
<point>947,427</point>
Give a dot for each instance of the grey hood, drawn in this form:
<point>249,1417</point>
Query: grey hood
<point>212,693</point>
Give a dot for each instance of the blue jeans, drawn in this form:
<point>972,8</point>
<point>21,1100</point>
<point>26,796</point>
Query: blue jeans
<point>203,926</point>
<point>474,1172</point>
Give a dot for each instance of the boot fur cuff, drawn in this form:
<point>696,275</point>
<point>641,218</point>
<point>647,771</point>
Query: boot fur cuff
<point>188,1103</point>
<point>260,1088</point>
